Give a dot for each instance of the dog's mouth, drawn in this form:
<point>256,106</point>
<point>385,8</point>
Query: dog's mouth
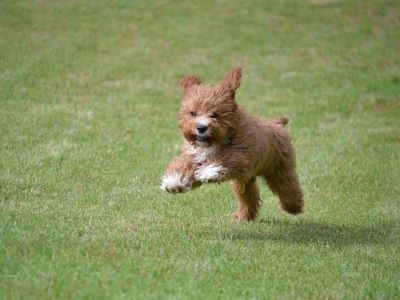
<point>200,140</point>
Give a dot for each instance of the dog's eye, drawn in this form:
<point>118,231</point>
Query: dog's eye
<point>193,113</point>
<point>214,115</point>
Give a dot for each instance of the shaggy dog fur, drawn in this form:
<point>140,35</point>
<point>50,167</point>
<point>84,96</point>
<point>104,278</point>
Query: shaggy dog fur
<point>224,142</point>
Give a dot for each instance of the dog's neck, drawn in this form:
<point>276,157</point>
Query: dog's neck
<point>229,137</point>
<point>227,140</point>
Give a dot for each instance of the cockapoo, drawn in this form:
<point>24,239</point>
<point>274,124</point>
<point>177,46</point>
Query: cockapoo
<point>224,142</point>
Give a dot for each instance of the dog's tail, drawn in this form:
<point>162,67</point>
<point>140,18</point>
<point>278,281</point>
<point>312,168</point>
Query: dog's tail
<point>281,121</point>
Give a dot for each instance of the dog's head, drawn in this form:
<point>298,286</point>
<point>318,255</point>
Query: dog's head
<point>207,114</point>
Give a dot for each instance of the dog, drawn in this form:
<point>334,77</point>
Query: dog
<point>224,142</point>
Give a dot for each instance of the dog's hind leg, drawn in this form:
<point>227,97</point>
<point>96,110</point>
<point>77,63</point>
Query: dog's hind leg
<point>249,201</point>
<point>284,183</point>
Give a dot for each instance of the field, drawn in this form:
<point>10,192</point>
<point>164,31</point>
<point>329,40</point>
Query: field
<point>88,102</point>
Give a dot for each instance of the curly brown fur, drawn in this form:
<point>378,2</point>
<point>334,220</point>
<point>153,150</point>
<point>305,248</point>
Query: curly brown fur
<point>224,142</point>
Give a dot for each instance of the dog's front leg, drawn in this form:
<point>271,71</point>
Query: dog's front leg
<point>179,177</point>
<point>212,172</point>
<point>229,164</point>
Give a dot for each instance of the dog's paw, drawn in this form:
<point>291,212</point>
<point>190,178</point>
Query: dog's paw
<point>210,173</point>
<point>243,216</point>
<point>175,183</point>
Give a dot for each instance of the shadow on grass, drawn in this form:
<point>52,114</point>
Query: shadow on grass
<point>314,232</point>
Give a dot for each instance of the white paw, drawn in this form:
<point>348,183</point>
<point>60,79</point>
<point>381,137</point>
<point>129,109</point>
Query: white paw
<point>209,173</point>
<point>175,183</point>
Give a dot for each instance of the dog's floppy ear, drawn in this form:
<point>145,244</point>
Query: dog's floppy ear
<point>232,80</point>
<point>189,81</point>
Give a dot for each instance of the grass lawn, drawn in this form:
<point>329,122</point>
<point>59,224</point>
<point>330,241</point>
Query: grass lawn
<point>88,102</point>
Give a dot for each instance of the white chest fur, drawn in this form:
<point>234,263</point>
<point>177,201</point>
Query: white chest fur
<point>201,154</point>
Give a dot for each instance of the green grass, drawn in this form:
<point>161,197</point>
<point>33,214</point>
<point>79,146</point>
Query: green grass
<point>88,102</point>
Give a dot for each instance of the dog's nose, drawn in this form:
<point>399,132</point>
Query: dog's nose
<point>202,128</point>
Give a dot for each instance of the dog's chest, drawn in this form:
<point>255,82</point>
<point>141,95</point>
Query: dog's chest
<point>200,154</point>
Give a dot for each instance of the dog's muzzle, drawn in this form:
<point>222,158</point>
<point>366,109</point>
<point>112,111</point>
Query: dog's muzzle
<point>202,129</point>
